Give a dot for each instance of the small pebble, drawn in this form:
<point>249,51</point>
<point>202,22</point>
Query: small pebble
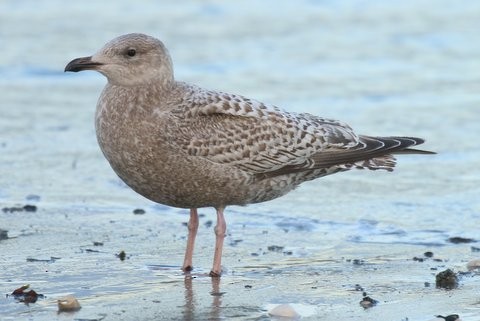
<point>451,317</point>
<point>284,311</point>
<point>122,255</point>
<point>12,209</point>
<point>25,208</point>
<point>473,265</point>
<point>428,254</point>
<point>275,248</point>
<point>138,211</point>
<point>367,302</point>
<point>24,296</point>
<point>30,208</point>
<point>459,239</point>
<point>30,297</point>
<point>446,280</point>
<point>3,234</point>
<point>358,262</point>
<point>68,303</point>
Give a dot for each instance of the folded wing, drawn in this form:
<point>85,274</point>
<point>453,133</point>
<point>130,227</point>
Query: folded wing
<point>264,140</point>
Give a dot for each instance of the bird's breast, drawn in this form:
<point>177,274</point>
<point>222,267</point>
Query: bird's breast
<point>130,139</point>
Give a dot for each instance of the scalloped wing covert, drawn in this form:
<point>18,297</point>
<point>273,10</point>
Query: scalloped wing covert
<point>257,138</point>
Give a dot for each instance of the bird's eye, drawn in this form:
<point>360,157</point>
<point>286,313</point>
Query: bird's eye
<point>131,52</point>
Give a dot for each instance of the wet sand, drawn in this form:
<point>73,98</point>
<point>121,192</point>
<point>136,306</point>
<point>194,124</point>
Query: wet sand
<point>406,69</point>
<point>308,265</point>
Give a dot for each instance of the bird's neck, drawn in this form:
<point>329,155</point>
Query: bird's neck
<point>144,95</point>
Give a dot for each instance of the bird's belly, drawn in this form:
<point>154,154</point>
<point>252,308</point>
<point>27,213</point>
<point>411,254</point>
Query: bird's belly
<point>171,177</point>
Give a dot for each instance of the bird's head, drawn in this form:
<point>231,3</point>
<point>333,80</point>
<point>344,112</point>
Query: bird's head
<point>129,60</point>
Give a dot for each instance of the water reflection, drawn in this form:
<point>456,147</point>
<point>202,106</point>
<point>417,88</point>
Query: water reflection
<point>217,299</point>
<point>191,312</point>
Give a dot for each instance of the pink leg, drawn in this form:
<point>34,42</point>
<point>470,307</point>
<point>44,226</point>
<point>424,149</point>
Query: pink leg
<point>220,230</point>
<point>192,233</point>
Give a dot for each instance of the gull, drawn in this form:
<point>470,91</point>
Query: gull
<point>187,147</point>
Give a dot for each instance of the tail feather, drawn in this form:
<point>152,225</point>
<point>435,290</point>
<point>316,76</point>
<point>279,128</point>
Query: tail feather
<point>392,146</point>
<point>371,152</point>
<point>405,144</point>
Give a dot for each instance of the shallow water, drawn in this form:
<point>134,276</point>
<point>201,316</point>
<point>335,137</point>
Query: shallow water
<point>386,68</point>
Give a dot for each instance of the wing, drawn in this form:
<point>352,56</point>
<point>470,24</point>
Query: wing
<point>257,138</point>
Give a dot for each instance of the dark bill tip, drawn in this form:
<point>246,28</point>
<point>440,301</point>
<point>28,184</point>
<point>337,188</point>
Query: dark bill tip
<point>83,63</point>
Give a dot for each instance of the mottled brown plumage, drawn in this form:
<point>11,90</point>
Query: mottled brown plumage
<point>184,146</point>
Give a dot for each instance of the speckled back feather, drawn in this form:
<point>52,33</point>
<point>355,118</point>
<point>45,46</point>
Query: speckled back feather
<point>266,141</point>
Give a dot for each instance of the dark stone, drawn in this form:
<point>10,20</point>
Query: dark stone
<point>446,280</point>
<point>12,209</point>
<point>3,234</point>
<point>30,208</point>
<point>122,255</point>
<point>428,254</point>
<point>368,302</point>
<point>459,239</point>
<point>451,317</point>
<point>275,248</point>
<point>26,208</point>
<point>358,262</point>
<point>138,211</point>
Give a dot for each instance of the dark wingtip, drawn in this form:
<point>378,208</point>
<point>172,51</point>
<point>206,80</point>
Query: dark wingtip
<point>399,144</point>
<point>417,141</point>
<point>415,151</point>
<point>406,143</point>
